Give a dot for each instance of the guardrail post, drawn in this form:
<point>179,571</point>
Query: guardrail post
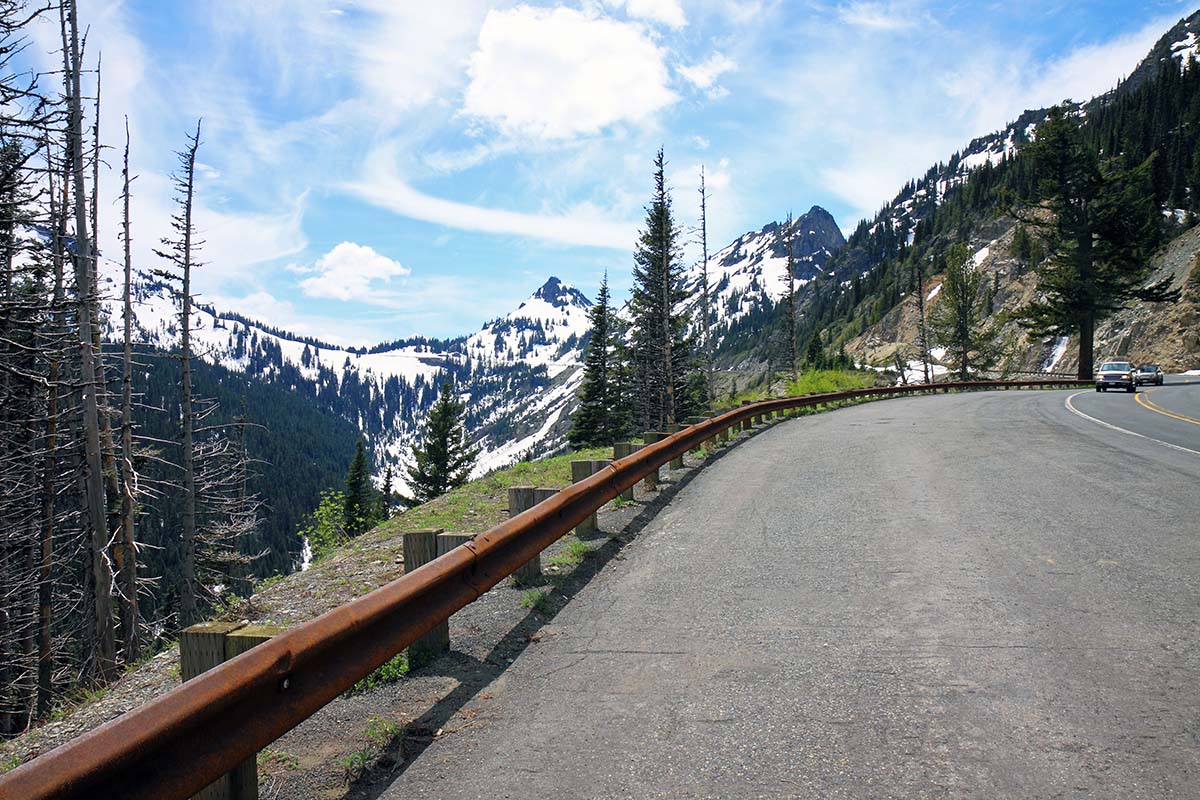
<point>650,482</point>
<point>243,779</point>
<point>696,421</point>
<point>522,498</point>
<point>746,423</point>
<point>581,470</point>
<point>202,647</point>
<point>623,450</point>
<point>420,547</point>
<point>448,541</point>
<point>677,462</point>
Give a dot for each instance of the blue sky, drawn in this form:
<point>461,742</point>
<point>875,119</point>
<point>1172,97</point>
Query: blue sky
<point>374,169</point>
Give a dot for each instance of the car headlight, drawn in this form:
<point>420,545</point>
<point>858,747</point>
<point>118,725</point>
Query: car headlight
<point>1126,375</point>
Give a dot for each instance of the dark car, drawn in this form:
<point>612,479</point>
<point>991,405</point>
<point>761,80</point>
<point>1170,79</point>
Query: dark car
<point>1116,375</point>
<point>1149,373</point>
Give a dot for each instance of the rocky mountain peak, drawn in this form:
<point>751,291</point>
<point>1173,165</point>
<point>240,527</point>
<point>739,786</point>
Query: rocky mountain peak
<point>561,295</point>
<point>1181,42</point>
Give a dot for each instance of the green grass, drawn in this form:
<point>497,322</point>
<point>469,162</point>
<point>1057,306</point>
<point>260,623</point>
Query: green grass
<point>390,672</point>
<point>537,599</point>
<point>483,503</point>
<point>573,553</point>
<point>266,758</point>
<point>830,380</point>
<point>381,731</point>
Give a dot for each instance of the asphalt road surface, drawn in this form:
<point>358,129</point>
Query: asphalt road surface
<point>1169,413</point>
<point>980,595</point>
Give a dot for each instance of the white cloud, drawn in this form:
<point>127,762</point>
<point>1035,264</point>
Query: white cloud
<point>706,73</point>
<point>585,225</point>
<point>664,12</point>
<point>558,73</point>
<point>876,16</point>
<point>351,272</point>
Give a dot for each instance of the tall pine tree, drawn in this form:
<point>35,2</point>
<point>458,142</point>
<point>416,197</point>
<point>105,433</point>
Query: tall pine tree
<point>661,355</point>
<point>1104,222</point>
<point>601,417</point>
<point>444,461</point>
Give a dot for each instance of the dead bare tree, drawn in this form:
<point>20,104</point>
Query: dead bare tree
<point>704,304</point>
<point>125,550</point>
<point>180,254</point>
<point>103,662</point>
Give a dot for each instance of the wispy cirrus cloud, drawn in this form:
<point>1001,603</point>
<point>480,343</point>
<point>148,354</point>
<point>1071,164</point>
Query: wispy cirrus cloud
<point>381,185</point>
<point>877,16</point>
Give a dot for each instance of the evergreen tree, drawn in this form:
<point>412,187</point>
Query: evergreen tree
<point>1104,223</point>
<point>445,459</point>
<point>957,320</point>
<point>357,513</point>
<point>387,497</point>
<point>600,418</point>
<point>661,357</point>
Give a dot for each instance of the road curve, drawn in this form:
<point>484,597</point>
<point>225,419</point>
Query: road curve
<point>1168,414</point>
<point>979,595</point>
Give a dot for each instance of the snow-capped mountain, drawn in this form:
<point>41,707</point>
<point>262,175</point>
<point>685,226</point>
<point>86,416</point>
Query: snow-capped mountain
<point>547,329</point>
<point>752,270</point>
<point>517,375</point>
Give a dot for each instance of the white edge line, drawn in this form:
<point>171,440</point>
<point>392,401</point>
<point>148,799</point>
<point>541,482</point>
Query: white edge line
<point>1075,410</point>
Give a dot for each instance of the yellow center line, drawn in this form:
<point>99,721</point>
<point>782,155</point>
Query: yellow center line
<point>1148,404</point>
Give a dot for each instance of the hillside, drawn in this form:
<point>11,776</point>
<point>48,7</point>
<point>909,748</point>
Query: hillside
<point>868,307</point>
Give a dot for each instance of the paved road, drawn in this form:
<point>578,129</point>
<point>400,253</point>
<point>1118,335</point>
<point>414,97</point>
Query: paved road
<point>977,595</point>
<point>1169,413</point>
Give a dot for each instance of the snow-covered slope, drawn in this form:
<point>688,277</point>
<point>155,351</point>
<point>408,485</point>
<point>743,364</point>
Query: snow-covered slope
<point>752,270</point>
<point>517,375</point>
<point>547,329</point>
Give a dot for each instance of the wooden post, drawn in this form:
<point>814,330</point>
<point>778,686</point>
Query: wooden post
<point>650,482</point>
<point>675,463</point>
<point>580,470</point>
<point>420,547</point>
<point>522,498</point>
<point>243,779</point>
<point>696,421</point>
<point>448,541</point>
<point>622,450</point>
<point>202,647</point>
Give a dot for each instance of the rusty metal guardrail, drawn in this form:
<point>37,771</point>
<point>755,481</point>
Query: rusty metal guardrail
<point>178,743</point>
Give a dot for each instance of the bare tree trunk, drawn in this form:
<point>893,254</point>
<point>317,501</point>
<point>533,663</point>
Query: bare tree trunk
<point>104,657</point>
<point>791,298</point>
<point>126,550</point>
<point>45,656</point>
<point>706,309</point>
<point>188,602</point>
<point>108,449</point>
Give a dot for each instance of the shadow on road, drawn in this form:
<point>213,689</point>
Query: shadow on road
<point>473,675</point>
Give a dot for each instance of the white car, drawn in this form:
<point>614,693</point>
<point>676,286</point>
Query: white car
<point>1116,375</point>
